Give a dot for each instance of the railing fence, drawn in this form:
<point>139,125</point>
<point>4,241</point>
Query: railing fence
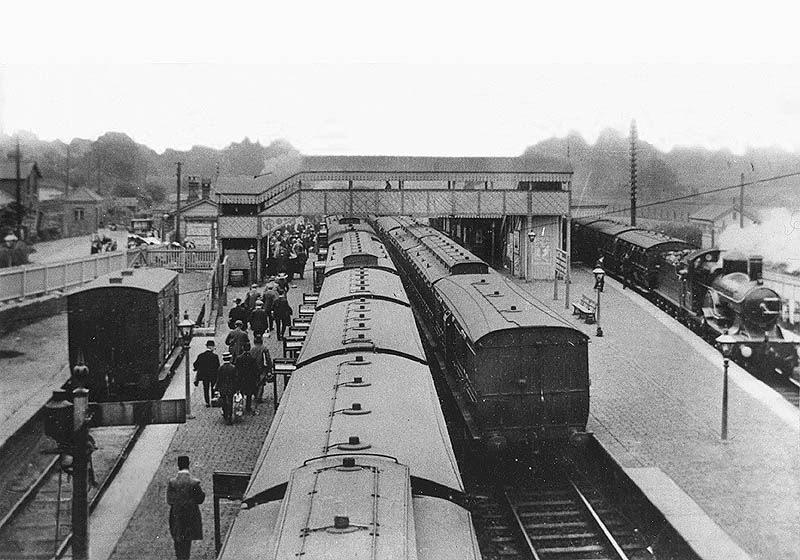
<point>37,280</point>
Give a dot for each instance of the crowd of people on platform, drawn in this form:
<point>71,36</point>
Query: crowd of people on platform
<point>289,248</point>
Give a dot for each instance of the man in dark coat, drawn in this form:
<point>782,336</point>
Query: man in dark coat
<point>263,360</point>
<point>300,250</point>
<point>237,313</point>
<point>227,385</point>
<point>251,298</point>
<point>258,319</point>
<point>184,495</point>
<point>236,340</point>
<point>270,295</point>
<point>283,315</point>
<point>248,372</point>
<point>206,366</point>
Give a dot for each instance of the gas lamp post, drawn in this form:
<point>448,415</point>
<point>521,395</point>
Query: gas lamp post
<point>726,343</point>
<point>251,254</point>
<point>186,328</point>
<point>599,282</point>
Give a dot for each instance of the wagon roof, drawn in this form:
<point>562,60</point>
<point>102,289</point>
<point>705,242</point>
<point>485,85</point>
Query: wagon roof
<point>405,419</point>
<point>650,239</point>
<point>612,228</point>
<point>488,303</point>
<point>362,325</point>
<point>371,283</point>
<point>450,253</point>
<point>146,279</point>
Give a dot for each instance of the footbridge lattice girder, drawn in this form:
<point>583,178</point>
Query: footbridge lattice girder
<point>423,203</point>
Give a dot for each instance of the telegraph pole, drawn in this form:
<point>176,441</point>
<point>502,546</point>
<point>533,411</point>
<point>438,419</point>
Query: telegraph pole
<point>178,209</point>
<point>633,172</point>
<point>17,157</point>
<point>741,201</point>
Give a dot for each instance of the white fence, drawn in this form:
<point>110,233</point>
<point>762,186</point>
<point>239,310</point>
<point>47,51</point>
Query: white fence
<point>33,280</point>
<point>182,259</point>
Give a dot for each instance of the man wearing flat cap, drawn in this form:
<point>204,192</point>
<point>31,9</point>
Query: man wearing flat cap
<point>206,366</point>
<point>184,495</point>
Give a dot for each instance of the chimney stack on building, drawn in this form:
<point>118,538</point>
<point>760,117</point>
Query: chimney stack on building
<point>205,188</point>
<point>193,182</point>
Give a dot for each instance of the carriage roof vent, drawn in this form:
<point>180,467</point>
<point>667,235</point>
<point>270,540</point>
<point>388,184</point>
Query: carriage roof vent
<point>127,272</point>
<point>115,280</point>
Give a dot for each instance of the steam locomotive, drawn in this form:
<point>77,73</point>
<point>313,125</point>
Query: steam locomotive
<point>710,290</point>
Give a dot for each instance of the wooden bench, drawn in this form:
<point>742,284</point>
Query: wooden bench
<point>585,309</point>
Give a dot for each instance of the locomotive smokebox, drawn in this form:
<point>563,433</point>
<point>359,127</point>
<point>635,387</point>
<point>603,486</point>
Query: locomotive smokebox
<point>755,268</point>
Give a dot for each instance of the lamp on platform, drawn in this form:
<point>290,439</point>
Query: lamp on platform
<point>599,283</point>
<point>726,343</point>
<point>251,254</point>
<point>186,329</point>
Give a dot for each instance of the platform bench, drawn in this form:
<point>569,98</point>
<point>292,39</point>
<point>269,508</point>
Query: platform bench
<point>585,309</point>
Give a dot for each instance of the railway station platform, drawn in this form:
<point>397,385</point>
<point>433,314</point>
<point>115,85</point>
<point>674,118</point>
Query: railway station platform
<point>656,406</point>
<point>131,521</point>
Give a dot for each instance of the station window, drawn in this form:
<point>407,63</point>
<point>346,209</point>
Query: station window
<point>78,214</point>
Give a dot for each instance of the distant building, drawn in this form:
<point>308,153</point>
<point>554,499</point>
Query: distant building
<point>714,218</point>
<point>198,215</point>
<point>83,211</point>
<point>30,176</point>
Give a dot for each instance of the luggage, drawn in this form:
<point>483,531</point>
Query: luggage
<point>216,400</point>
<point>238,406</point>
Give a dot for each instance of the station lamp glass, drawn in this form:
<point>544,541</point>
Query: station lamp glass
<point>726,343</point>
<point>251,254</point>
<point>599,278</point>
<point>186,328</point>
<point>531,236</point>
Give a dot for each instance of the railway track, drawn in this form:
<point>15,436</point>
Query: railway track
<point>553,515</point>
<point>36,497</point>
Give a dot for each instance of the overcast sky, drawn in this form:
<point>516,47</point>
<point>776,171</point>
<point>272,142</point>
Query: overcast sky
<point>416,78</point>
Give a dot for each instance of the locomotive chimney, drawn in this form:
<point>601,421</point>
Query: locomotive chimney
<point>755,268</point>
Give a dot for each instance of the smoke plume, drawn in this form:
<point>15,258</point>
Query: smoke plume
<point>777,239</point>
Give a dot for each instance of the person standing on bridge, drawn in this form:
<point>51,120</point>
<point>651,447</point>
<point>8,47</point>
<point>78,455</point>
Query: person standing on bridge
<point>184,496</point>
